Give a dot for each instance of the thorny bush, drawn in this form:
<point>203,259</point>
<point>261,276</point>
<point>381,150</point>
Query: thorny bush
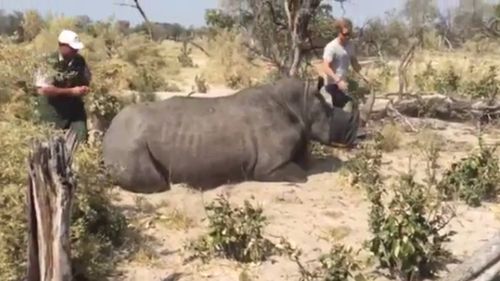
<point>234,233</point>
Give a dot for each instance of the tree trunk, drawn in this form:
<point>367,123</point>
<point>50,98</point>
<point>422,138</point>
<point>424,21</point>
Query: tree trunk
<point>405,61</point>
<point>296,56</point>
<point>146,20</point>
<point>49,198</point>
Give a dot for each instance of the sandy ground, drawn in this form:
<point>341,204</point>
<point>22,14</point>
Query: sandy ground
<point>309,215</point>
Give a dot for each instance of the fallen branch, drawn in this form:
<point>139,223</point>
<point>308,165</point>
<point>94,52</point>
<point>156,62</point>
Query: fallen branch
<point>49,199</point>
<point>437,106</point>
<point>391,108</point>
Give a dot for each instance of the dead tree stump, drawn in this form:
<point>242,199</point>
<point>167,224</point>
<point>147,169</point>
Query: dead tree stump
<point>50,194</point>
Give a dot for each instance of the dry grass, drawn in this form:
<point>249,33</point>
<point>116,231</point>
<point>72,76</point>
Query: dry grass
<point>229,61</point>
<point>461,60</point>
<point>392,137</point>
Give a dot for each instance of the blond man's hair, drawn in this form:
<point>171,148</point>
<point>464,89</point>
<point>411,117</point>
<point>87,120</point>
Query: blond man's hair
<point>342,23</point>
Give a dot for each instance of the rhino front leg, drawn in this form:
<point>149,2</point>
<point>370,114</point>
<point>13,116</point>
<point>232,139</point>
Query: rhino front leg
<point>289,172</point>
<point>302,157</point>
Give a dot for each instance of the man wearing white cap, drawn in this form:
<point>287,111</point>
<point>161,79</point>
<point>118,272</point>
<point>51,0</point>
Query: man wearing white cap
<point>60,92</point>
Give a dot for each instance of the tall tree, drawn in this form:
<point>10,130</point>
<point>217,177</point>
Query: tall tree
<point>279,28</point>
<point>420,15</point>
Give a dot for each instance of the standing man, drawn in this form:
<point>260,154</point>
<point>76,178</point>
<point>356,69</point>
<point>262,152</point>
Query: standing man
<point>338,55</point>
<point>60,88</point>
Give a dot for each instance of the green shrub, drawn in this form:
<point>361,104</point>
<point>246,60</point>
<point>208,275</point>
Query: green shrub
<point>234,233</point>
<point>486,86</point>
<point>406,233</point>
<point>424,80</point>
<point>474,178</point>
<point>365,166</point>
<point>445,82</point>
<point>339,264</point>
<point>97,227</point>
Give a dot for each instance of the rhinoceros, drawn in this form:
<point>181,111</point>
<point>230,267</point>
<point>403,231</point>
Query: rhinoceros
<point>260,133</point>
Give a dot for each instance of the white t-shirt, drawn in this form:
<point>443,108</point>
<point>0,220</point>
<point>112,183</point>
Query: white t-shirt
<point>339,57</point>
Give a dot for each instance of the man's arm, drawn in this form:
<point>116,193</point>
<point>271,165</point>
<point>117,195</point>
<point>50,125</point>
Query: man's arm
<point>44,86</point>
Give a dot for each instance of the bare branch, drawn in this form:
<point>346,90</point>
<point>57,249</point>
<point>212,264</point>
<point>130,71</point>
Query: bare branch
<point>280,25</point>
<point>138,7</point>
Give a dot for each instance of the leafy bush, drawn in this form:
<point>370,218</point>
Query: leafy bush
<point>103,105</point>
<point>339,264</point>
<point>448,81</point>
<point>486,86</point>
<point>474,178</point>
<point>423,80</point>
<point>235,233</point>
<point>407,238</point>
<point>365,166</point>
<point>445,81</point>
<point>97,227</point>
<point>406,233</point>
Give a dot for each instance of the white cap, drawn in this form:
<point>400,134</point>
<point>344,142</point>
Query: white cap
<point>71,38</point>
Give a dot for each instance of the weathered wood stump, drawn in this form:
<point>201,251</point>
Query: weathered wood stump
<point>50,194</point>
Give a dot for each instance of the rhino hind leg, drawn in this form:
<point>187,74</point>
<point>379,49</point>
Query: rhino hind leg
<point>289,172</point>
<point>142,173</point>
<point>303,157</point>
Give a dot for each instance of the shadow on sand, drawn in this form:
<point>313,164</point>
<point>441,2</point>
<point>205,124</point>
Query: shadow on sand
<point>329,164</point>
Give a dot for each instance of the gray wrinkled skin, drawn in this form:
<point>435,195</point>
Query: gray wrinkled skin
<point>260,133</point>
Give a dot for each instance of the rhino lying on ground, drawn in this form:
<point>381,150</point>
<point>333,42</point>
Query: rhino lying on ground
<point>259,133</point>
